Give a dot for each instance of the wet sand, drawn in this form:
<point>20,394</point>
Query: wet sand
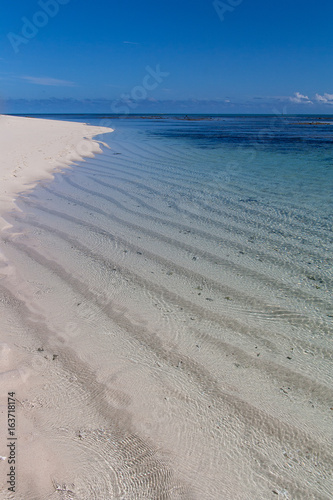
<point>33,149</point>
<point>156,349</point>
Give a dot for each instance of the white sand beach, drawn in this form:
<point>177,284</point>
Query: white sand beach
<point>161,342</point>
<point>33,149</point>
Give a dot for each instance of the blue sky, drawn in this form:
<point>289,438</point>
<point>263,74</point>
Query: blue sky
<point>178,56</point>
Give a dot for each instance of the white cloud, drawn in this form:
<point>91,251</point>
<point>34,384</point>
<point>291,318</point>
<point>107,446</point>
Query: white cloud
<point>324,99</point>
<point>300,98</point>
<point>53,82</point>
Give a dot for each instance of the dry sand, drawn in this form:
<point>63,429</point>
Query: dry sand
<point>149,362</point>
<point>33,149</point>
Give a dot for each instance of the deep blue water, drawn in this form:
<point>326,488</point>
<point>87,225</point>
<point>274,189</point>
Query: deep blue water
<point>290,157</point>
<point>190,267</point>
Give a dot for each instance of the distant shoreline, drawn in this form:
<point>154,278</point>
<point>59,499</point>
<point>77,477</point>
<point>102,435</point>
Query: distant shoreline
<point>179,116</point>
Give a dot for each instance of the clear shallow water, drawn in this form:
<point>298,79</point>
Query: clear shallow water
<point>188,272</point>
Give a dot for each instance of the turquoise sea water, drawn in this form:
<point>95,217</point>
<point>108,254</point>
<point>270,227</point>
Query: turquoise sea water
<point>194,258</point>
<point>290,155</point>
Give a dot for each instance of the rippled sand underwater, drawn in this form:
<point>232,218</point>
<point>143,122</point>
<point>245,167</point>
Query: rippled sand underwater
<point>171,302</point>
